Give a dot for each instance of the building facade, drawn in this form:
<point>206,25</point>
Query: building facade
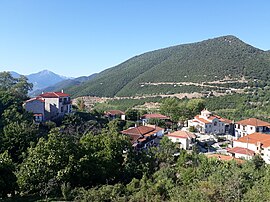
<point>249,126</point>
<point>207,123</point>
<point>143,137</point>
<point>249,145</point>
<point>184,138</point>
<point>50,105</point>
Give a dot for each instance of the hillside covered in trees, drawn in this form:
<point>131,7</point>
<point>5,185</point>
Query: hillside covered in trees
<point>206,61</point>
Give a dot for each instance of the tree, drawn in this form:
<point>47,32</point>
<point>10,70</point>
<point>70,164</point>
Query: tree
<point>18,86</point>
<point>49,164</point>
<point>17,137</point>
<point>132,114</point>
<point>8,183</point>
<point>170,108</point>
<point>195,106</point>
<point>81,104</point>
<point>165,152</point>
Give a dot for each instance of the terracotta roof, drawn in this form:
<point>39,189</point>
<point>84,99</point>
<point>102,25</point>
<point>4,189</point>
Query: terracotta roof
<point>240,150</point>
<point>212,118</point>
<point>140,130</point>
<point>253,122</point>
<point>201,119</point>
<point>38,115</point>
<point>224,158</point>
<point>256,138</point>
<point>114,112</point>
<point>141,139</point>
<point>54,95</point>
<point>155,116</point>
<point>35,98</point>
<point>181,134</point>
<point>224,120</point>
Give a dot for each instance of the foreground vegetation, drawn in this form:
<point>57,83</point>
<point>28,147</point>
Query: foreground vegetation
<point>84,158</point>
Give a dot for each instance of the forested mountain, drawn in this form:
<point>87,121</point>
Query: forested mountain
<point>205,61</point>
<point>62,85</point>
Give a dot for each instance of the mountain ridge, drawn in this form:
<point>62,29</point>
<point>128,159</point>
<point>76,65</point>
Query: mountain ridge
<point>208,60</point>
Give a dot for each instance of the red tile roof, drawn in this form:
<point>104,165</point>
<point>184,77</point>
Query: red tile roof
<point>137,133</point>
<point>155,116</point>
<point>224,158</point>
<point>38,115</point>
<point>181,134</point>
<point>35,98</point>
<point>114,112</point>
<point>201,119</point>
<point>224,120</point>
<point>240,150</point>
<point>256,138</point>
<point>253,122</point>
<point>140,130</point>
<point>54,95</point>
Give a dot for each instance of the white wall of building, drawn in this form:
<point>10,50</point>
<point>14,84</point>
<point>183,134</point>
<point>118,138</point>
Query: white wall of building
<point>183,141</point>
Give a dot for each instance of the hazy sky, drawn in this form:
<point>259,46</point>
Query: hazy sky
<point>81,37</point>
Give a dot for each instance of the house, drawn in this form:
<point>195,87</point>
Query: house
<point>113,114</point>
<point>146,117</point>
<point>249,145</point>
<point>184,138</point>
<point>249,126</point>
<point>143,137</point>
<point>49,106</point>
<point>208,123</point>
<point>37,107</point>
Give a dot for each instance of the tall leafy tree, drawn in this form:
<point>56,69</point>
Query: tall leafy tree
<point>8,183</point>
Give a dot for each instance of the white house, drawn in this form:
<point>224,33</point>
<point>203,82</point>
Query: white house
<point>143,137</point>
<point>249,126</point>
<point>49,105</point>
<point>184,138</point>
<point>249,145</point>
<point>208,123</point>
<point>113,114</point>
<point>146,117</point>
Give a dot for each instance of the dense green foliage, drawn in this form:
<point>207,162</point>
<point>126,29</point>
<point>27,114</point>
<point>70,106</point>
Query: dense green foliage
<point>204,61</point>
<point>84,157</point>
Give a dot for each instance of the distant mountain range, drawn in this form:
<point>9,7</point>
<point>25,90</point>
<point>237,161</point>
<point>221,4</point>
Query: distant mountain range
<point>62,85</point>
<point>154,72</point>
<point>42,79</point>
<point>47,81</point>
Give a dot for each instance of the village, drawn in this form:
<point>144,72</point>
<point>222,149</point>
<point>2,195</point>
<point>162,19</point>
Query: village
<point>207,133</point>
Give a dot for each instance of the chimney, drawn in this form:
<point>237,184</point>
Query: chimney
<point>62,91</point>
<point>42,92</point>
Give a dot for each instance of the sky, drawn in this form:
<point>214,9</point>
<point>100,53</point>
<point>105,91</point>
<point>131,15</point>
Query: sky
<point>81,37</point>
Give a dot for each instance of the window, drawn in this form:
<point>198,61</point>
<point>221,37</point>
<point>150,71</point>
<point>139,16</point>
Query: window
<point>251,128</point>
<point>60,99</point>
<point>62,109</point>
<point>215,123</point>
